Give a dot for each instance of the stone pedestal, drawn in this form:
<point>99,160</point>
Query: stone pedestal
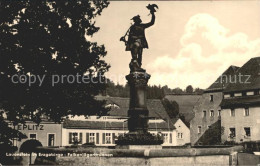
<point>138,112</point>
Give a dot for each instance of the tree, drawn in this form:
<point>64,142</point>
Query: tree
<point>171,107</point>
<point>40,39</point>
<point>48,39</point>
<point>6,135</point>
<point>177,91</point>
<point>198,91</point>
<point>182,117</point>
<point>189,89</point>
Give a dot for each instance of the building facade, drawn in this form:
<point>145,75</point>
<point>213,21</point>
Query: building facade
<point>104,131</point>
<point>207,110</point>
<point>182,133</point>
<point>241,105</point>
<point>47,133</point>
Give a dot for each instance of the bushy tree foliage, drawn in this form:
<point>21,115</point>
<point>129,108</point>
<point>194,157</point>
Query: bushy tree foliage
<point>7,134</point>
<point>171,107</point>
<point>43,39</point>
<point>47,38</point>
<point>189,89</point>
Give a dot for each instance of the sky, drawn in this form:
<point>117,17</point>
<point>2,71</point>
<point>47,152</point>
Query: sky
<point>191,42</point>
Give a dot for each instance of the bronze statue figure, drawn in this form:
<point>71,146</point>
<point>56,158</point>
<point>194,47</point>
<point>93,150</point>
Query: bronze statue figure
<point>136,38</point>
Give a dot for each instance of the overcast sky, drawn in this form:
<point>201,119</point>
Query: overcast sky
<point>191,42</point>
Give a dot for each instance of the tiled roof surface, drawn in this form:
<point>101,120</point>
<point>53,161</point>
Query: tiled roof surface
<point>249,78</point>
<point>155,107</point>
<point>221,83</point>
<point>77,124</point>
<point>240,101</point>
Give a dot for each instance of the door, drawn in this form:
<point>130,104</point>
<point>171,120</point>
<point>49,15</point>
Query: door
<point>51,139</point>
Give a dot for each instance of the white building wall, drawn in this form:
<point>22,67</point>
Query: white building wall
<point>182,133</point>
<point>171,140</point>
<point>239,122</point>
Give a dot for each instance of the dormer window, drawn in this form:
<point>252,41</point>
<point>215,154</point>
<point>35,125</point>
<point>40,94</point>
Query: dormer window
<point>250,93</point>
<point>227,96</point>
<point>238,94</point>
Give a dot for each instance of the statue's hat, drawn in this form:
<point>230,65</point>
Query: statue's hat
<point>136,18</point>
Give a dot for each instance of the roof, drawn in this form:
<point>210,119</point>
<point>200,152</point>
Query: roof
<point>120,109</point>
<point>222,81</point>
<point>77,124</point>
<point>186,104</point>
<point>241,102</point>
<point>155,107</point>
<point>247,77</point>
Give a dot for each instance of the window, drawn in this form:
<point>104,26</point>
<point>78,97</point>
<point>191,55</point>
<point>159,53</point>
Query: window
<point>227,96</point>
<point>75,138</point>
<point>250,93</point>
<point>247,132</point>
<point>180,135</point>
<point>219,113</point>
<point>232,112</point>
<point>32,136</point>
<point>211,113</point>
<point>204,113</point>
<point>232,133</point>
<point>108,138</point>
<point>246,111</point>
<point>199,129</point>
<point>238,94</point>
<point>91,137</point>
<point>211,98</point>
<point>165,138</point>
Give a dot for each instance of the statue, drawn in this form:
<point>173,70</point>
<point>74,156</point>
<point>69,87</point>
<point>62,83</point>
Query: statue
<point>137,40</point>
<point>137,79</point>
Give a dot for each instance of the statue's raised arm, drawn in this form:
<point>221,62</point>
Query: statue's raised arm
<point>152,10</point>
<point>136,38</point>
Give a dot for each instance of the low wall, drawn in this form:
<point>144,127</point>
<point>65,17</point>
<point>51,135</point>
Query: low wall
<point>98,156</point>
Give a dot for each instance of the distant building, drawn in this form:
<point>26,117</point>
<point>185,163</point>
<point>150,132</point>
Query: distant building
<point>241,104</point>
<point>47,133</point>
<point>103,131</point>
<point>207,110</point>
<point>182,132</point>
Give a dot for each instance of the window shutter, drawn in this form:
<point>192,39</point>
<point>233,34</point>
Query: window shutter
<point>113,138</point>
<point>87,137</point>
<point>170,138</point>
<point>70,138</point>
<point>80,138</point>
<point>103,138</point>
<point>97,138</point>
